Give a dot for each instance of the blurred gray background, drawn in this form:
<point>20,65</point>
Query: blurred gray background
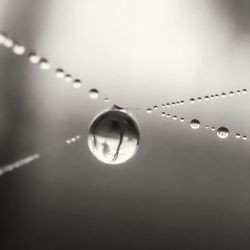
<point>184,189</point>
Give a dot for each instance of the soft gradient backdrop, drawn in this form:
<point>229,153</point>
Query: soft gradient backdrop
<point>184,189</point>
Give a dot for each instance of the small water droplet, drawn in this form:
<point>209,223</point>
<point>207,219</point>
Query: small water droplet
<point>68,78</point>
<point>173,104</point>
<point>244,91</point>
<point>211,97</point>
<point>244,137</point>
<point>168,115</point>
<point>182,119</point>
<point>223,95</point>
<point>195,124</point>
<point>192,100</point>
<point>60,73</point>
<point>18,49</point>
<point>148,111</point>
<point>222,133</point>
<point>3,38</point>
<point>163,105</point>
<point>106,99</point>
<point>216,96</point>
<point>163,114</point>
<point>177,103</point>
<point>182,102</point>
<point>207,98</point>
<point>93,93</point>
<point>231,93</point>
<point>8,42</point>
<point>73,139</point>
<point>199,99</point>
<point>207,127</point>
<point>44,64</point>
<point>174,117</point>
<point>238,92</point>
<point>237,136</point>
<point>77,84</point>
<point>213,128</point>
<point>33,57</point>
<point>68,141</point>
<point>168,105</point>
<point>155,107</point>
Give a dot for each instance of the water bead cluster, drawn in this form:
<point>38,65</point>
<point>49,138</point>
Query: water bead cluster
<point>44,64</point>
<point>200,99</point>
<point>222,132</point>
<point>73,139</point>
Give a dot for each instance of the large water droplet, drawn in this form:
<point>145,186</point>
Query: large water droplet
<point>195,124</point>
<point>93,93</point>
<point>222,133</point>
<point>113,137</point>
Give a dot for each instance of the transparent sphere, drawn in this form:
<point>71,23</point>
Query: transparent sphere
<point>113,137</point>
<point>195,124</point>
<point>222,133</point>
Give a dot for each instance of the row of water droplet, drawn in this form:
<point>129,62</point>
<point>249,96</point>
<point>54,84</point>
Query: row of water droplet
<point>44,64</point>
<point>198,99</point>
<point>222,132</point>
<point>31,158</point>
<point>18,164</point>
<point>73,139</point>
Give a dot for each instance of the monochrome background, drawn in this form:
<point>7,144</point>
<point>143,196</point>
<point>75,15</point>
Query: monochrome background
<point>184,189</point>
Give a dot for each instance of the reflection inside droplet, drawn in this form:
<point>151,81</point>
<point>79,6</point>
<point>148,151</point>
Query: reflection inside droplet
<point>113,137</point>
<point>222,133</point>
<point>195,124</point>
